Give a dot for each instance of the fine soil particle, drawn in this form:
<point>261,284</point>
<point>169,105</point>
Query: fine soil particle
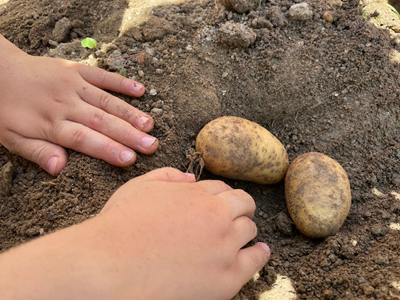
<point>325,82</point>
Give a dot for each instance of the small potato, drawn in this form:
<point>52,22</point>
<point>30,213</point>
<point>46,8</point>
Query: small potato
<point>237,148</point>
<point>318,194</point>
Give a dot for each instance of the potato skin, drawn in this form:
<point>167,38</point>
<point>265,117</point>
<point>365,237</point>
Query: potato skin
<point>237,148</point>
<point>318,194</point>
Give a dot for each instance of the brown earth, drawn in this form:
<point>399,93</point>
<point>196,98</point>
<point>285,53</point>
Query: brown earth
<point>329,84</point>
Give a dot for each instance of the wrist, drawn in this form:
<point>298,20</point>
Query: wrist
<point>63,265</point>
<point>9,53</point>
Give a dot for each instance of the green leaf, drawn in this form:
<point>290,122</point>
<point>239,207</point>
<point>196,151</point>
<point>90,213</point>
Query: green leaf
<point>89,43</point>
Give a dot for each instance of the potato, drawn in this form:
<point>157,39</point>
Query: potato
<point>237,148</point>
<point>318,194</point>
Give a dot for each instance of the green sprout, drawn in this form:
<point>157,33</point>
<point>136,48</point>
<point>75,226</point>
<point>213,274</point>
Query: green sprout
<point>392,8</point>
<point>89,43</point>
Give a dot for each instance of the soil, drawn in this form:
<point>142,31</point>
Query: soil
<point>326,82</point>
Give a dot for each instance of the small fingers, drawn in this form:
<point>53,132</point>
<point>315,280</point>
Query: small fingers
<point>111,81</point>
<point>240,202</point>
<point>83,139</point>
<point>214,187</point>
<point>49,156</point>
<point>244,230</point>
<point>251,260</point>
<point>115,128</point>
<point>117,107</point>
<point>169,175</point>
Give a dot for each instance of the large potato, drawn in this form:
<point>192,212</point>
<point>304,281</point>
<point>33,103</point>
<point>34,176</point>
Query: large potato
<point>237,148</point>
<point>317,194</point>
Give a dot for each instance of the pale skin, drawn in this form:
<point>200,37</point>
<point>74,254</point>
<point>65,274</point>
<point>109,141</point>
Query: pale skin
<point>48,105</point>
<point>160,236</point>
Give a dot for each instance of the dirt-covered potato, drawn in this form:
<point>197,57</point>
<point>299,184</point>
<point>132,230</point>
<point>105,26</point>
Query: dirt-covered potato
<point>318,195</point>
<point>237,148</point>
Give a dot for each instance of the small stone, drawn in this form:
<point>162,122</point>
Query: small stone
<point>157,111</point>
<point>141,73</point>
<point>150,51</point>
<point>367,289</point>
<point>328,16</point>
<point>53,43</point>
<point>159,71</point>
<point>300,12</point>
<point>153,92</point>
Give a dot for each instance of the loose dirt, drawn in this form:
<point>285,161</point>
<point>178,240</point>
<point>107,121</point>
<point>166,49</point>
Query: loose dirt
<point>328,82</point>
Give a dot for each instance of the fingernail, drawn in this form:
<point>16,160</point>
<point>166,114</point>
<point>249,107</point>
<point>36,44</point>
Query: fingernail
<point>147,141</point>
<point>126,156</point>
<point>137,87</point>
<point>265,247</point>
<point>52,165</point>
<point>142,121</point>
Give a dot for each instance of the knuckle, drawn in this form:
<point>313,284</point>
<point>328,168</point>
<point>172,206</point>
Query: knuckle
<point>78,137</point>
<point>222,185</point>
<point>249,199</point>
<point>110,147</point>
<point>97,119</point>
<point>122,81</point>
<point>103,75</point>
<point>128,115</point>
<point>130,134</point>
<point>104,100</point>
<point>253,228</point>
<point>51,132</point>
<point>38,154</point>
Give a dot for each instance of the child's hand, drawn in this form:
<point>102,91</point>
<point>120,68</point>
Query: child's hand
<point>160,236</point>
<point>180,239</point>
<point>47,104</point>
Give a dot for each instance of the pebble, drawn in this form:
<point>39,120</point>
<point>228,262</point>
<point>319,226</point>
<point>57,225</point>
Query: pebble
<point>150,51</point>
<point>300,12</point>
<point>157,111</point>
<point>153,92</point>
<point>141,73</point>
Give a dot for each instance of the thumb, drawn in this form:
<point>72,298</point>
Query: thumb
<point>168,175</point>
<point>252,260</point>
<point>49,156</point>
